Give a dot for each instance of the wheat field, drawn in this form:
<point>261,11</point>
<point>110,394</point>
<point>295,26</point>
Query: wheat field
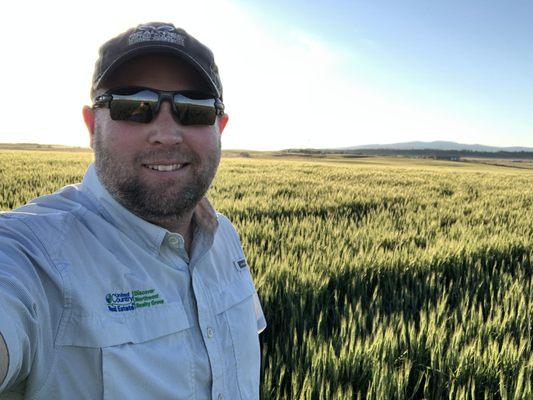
<point>380,278</point>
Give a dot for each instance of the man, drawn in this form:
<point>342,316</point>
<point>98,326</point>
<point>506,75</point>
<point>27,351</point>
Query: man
<point>130,285</point>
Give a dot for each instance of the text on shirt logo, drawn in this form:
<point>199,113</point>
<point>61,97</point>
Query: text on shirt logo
<point>133,299</point>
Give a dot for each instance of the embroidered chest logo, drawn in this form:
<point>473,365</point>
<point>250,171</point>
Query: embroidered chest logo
<point>132,300</point>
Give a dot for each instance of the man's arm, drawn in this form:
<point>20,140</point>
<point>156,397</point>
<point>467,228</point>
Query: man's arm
<point>4,359</point>
<point>23,303</point>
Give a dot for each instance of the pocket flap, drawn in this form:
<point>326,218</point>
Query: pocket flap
<point>111,330</point>
<point>234,293</point>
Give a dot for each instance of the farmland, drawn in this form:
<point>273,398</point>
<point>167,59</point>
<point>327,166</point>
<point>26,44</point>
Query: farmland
<point>380,278</point>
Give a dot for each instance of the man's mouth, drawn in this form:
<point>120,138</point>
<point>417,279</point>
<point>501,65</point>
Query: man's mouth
<point>165,167</point>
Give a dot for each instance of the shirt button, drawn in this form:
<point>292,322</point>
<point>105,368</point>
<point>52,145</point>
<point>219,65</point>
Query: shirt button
<point>210,333</point>
<point>173,240</point>
<point>220,396</point>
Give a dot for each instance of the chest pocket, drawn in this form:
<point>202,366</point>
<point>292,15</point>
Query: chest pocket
<point>236,302</point>
<point>145,353</point>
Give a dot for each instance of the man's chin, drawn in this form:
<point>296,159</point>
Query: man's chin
<point>168,203</point>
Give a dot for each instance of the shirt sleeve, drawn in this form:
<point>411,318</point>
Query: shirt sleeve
<point>21,302</point>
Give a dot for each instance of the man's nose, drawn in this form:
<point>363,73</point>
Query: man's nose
<point>165,127</point>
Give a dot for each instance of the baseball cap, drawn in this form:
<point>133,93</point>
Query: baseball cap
<point>156,37</point>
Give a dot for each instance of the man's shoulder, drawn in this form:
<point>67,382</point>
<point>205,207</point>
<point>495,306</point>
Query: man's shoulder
<point>46,216</point>
<point>227,236</point>
<point>222,219</point>
<point>225,226</point>
<point>62,202</point>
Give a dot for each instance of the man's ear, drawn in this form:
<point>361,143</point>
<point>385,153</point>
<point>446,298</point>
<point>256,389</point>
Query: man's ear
<point>222,121</point>
<point>88,118</point>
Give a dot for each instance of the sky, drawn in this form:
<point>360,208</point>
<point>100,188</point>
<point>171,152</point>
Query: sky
<point>296,73</point>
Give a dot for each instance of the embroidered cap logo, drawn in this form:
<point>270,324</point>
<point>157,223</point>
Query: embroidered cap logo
<point>149,33</point>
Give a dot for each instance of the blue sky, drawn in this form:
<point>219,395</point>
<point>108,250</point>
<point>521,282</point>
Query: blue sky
<point>300,73</point>
<point>472,59</point>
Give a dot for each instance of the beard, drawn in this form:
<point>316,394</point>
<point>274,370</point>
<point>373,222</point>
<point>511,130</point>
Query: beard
<point>156,201</point>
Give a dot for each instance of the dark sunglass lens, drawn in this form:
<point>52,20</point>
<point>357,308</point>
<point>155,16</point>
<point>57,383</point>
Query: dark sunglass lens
<point>193,111</point>
<point>136,107</point>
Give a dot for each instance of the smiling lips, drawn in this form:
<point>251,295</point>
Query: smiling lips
<point>165,167</point>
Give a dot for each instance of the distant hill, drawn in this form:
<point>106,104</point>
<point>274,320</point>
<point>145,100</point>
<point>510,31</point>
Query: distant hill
<point>438,145</point>
<point>437,150</point>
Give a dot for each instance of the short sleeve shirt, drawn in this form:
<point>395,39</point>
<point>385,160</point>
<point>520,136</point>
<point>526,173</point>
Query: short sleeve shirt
<point>99,303</point>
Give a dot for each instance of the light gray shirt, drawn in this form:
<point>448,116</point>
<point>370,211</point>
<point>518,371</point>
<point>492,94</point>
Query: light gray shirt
<point>99,303</point>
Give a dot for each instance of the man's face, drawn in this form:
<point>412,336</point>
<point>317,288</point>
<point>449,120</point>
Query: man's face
<point>127,154</point>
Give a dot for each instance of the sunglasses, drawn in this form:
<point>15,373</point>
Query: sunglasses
<point>141,104</point>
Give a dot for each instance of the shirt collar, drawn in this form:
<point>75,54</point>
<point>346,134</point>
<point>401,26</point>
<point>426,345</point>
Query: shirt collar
<point>139,230</point>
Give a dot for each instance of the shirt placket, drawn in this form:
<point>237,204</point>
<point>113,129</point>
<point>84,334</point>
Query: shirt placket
<point>206,316</point>
<point>206,320</point>
<point>190,301</point>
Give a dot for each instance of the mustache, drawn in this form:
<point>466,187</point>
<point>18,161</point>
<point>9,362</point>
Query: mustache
<point>149,156</point>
